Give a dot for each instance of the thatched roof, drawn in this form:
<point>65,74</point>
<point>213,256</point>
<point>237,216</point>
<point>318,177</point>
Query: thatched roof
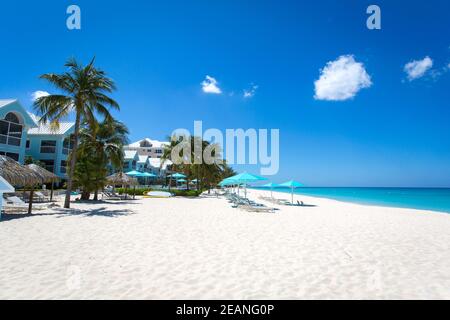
<point>17,174</point>
<point>46,175</point>
<point>121,178</point>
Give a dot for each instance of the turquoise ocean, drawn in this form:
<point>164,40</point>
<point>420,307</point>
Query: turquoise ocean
<point>436,199</point>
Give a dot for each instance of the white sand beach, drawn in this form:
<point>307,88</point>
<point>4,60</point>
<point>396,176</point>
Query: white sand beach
<point>182,248</point>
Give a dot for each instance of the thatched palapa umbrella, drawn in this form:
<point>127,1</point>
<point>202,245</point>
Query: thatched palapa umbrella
<point>122,179</point>
<point>47,176</point>
<point>19,175</point>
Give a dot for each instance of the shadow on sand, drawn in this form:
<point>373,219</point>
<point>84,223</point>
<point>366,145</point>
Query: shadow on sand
<point>62,213</point>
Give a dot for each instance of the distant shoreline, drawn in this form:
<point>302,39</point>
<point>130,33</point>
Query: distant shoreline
<point>425,205</point>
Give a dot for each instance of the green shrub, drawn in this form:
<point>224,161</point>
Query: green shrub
<point>175,192</point>
<point>131,191</point>
<point>186,193</point>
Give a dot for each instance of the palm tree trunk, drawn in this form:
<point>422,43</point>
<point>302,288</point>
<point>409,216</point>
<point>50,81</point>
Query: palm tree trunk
<point>30,202</point>
<point>73,159</point>
<point>96,195</point>
<point>51,192</point>
<point>85,195</point>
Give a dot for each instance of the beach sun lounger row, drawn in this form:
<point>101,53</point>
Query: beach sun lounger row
<point>246,204</point>
<point>15,204</point>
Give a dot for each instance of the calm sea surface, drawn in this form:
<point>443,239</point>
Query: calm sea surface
<point>437,199</point>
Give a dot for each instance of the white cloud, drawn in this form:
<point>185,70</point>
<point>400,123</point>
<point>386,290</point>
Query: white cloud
<point>417,68</point>
<point>341,79</point>
<point>38,94</point>
<point>210,85</point>
<point>248,93</point>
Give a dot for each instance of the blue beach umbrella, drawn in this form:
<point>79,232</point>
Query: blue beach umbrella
<point>178,176</point>
<point>148,175</point>
<point>227,182</point>
<point>291,184</point>
<point>244,178</point>
<point>270,185</point>
<point>134,173</point>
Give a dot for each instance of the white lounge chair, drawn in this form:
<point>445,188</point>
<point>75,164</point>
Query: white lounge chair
<point>42,197</point>
<point>17,203</point>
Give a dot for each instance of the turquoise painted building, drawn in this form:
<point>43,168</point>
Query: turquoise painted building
<point>51,146</point>
<point>15,122</point>
<point>21,136</point>
<point>130,160</point>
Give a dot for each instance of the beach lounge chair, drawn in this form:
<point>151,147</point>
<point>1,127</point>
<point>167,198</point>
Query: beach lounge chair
<point>17,203</point>
<point>110,196</point>
<point>40,196</point>
<point>258,208</point>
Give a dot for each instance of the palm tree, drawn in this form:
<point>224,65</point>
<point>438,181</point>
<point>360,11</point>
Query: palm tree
<point>85,92</point>
<point>106,140</point>
<point>206,174</point>
<point>167,155</point>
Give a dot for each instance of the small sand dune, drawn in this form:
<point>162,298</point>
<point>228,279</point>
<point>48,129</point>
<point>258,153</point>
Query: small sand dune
<point>202,248</point>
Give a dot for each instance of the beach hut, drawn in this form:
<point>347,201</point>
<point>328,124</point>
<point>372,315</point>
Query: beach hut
<point>122,179</point>
<point>291,184</point>
<point>47,176</point>
<point>18,175</point>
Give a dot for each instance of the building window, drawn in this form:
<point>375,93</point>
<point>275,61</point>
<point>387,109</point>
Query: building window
<point>48,146</point>
<point>63,167</point>
<point>10,130</point>
<point>145,144</point>
<point>14,156</point>
<point>158,151</point>
<point>28,144</point>
<point>49,164</point>
<point>68,145</point>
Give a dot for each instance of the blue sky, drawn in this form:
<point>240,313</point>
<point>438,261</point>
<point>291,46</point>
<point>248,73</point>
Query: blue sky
<point>387,129</point>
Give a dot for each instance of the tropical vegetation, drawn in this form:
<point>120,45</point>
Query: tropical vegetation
<point>84,91</point>
<point>206,172</point>
<point>100,149</point>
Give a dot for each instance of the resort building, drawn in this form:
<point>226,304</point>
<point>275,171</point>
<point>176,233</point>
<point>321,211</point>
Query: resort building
<point>145,156</point>
<point>50,146</point>
<point>148,147</point>
<point>142,163</point>
<point>131,158</point>
<point>15,122</point>
<point>156,168</point>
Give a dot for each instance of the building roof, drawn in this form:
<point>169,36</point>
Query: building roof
<point>129,154</point>
<point>142,159</point>
<point>156,163</point>
<point>5,102</point>
<point>14,105</point>
<point>153,143</point>
<point>64,127</point>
